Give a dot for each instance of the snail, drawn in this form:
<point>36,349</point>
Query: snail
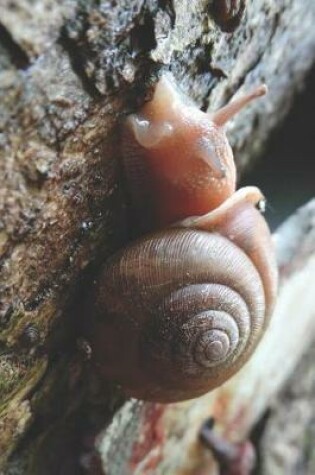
<point>182,307</point>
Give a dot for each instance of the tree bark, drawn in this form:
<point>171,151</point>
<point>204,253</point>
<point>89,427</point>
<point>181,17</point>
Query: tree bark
<point>69,72</point>
<point>292,450</point>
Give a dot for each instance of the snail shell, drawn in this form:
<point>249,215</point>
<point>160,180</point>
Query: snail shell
<point>181,309</point>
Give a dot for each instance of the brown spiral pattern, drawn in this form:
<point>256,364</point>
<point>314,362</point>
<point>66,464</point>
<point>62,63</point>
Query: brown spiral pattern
<point>187,308</point>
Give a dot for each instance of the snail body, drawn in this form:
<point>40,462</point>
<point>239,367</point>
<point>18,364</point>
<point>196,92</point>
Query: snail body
<point>182,308</point>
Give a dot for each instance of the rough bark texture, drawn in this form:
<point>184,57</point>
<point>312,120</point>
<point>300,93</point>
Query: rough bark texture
<point>292,451</point>
<point>69,71</point>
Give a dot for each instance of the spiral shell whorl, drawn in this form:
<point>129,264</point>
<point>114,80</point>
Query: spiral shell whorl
<point>217,331</point>
<point>207,335</point>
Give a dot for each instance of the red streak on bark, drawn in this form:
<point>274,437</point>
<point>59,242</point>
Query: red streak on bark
<point>221,406</point>
<point>222,415</point>
<point>151,439</point>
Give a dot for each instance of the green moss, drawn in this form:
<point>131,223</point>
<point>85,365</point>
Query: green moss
<point>12,370</point>
<point>18,377</point>
<point>18,374</point>
<point>14,314</point>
